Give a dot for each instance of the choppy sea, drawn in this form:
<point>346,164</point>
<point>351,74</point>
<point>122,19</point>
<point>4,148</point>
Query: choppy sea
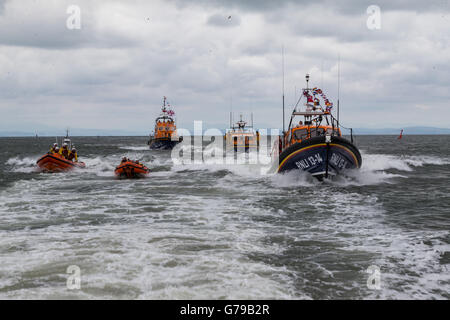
<point>225,231</point>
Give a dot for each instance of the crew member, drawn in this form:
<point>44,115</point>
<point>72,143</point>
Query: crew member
<point>53,149</point>
<point>64,151</point>
<point>73,155</point>
<point>280,145</point>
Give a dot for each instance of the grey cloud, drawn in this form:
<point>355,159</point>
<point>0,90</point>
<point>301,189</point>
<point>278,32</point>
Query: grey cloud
<point>2,6</point>
<point>37,25</point>
<point>220,20</point>
<point>116,64</point>
<point>348,7</point>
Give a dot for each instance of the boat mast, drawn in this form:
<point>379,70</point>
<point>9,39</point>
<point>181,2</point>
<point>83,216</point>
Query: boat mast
<point>339,83</point>
<point>282,58</point>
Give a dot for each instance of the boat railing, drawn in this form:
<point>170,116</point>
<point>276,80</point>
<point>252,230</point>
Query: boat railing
<point>351,132</point>
<point>335,123</point>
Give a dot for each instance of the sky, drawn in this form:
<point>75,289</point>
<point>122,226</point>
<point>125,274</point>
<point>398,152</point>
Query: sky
<point>110,68</point>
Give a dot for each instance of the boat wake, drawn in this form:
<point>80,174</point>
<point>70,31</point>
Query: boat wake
<point>384,168</point>
<point>135,148</point>
<point>226,231</point>
<point>22,165</point>
<point>376,169</point>
<point>377,162</point>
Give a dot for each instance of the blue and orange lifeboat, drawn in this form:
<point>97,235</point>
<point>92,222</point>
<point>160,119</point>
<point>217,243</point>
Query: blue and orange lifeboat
<point>316,145</point>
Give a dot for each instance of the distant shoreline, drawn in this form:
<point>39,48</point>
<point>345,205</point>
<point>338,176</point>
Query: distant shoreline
<point>146,136</point>
<point>77,132</point>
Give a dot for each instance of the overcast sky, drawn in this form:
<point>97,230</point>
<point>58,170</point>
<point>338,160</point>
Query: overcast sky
<point>113,72</point>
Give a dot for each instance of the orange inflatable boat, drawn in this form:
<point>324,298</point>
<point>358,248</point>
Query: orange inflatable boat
<point>54,162</point>
<point>131,169</point>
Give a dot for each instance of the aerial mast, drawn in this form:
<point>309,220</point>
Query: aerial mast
<point>339,83</point>
<point>282,58</point>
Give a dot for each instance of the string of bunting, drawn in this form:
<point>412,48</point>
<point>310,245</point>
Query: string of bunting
<point>316,91</point>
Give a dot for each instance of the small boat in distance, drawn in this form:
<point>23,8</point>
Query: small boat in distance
<point>241,136</point>
<point>131,169</point>
<point>165,135</point>
<point>316,145</point>
<point>54,161</point>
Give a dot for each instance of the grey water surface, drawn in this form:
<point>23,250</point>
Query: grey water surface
<point>225,231</point>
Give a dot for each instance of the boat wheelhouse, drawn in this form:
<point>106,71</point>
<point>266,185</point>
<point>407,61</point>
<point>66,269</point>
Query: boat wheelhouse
<point>241,136</point>
<point>315,143</point>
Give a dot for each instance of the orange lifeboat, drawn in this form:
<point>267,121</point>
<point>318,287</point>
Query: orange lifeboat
<point>165,135</point>
<point>316,145</point>
<point>242,136</point>
<point>131,170</point>
<point>54,162</point>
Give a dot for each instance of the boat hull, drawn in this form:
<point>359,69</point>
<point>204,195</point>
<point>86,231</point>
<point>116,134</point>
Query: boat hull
<point>162,144</point>
<point>319,158</point>
<point>53,162</point>
<point>131,170</point>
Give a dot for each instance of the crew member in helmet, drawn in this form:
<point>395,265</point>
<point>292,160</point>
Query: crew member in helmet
<point>64,151</point>
<point>124,159</point>
<point>53,149</point>
<point>73,155</point>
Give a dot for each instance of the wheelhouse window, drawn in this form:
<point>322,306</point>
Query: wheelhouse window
<point>315,132</point>
<point>301,134</point>
<point>334,132</point>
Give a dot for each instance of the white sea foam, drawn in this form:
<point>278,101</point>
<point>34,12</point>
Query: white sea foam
<point>377,169</point>
<point>293,179</point>
<point>376,162</point>
<point>24,165</point>
<point>409,268</point>
<point>189,250</point>
<point>23,162</point>
<point>135,148</point>
<point>200,240</point>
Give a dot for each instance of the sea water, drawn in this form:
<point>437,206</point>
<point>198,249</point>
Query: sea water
<point>225,231</point>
